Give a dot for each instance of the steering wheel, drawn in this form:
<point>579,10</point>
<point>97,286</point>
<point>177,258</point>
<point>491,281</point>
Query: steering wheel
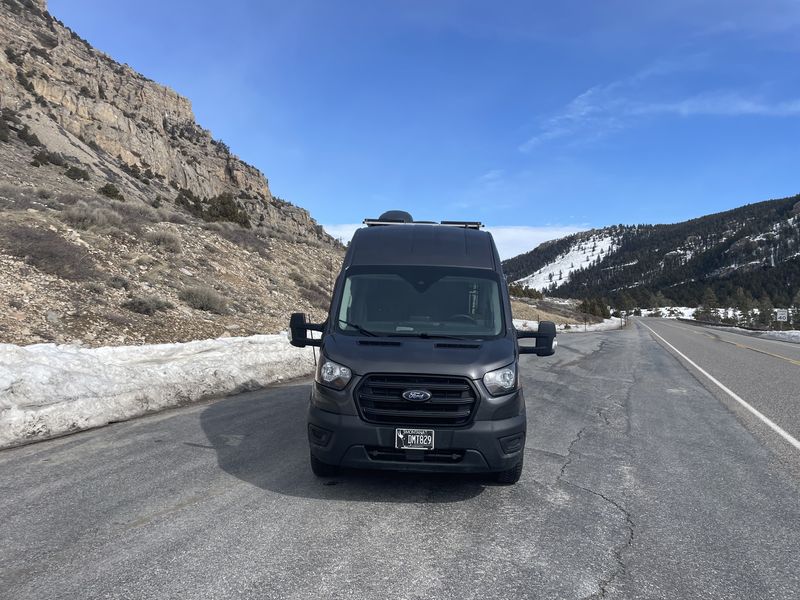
<point>462,317</point>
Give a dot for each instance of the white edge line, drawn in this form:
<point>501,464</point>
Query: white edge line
<point>766,420</point>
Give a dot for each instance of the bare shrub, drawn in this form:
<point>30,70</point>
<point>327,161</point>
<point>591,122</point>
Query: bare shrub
<point>135,211</point>
<point>119,283</point>
<point>316,295</point>
<point>77,174</point>
<point>12,196</point>
<point>205,298</point>
<point>147,305</point>
<point>49,252</point>
<point>94,287</point>
<point>70,199</point>
<point>83,216</point>
<point>218,227</point>
<point>245,238</point>
<point>169,216</point>
<point>164,239</point>
<point>116,318</point>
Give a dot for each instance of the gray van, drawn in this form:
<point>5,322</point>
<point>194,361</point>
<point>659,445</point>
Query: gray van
<point>418,365</point>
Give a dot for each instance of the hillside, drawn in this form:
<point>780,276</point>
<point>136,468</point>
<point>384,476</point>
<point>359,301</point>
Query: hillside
<point>123,220</point>
<point>752,250</point>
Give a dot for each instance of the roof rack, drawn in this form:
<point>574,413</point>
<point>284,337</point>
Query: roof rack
<point>464,224</point>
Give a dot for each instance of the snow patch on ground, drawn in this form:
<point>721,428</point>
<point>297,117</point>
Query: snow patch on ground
<point>670,312</point>
<point>581,255</point>
<point>605,325</point>
<point>49,389</point>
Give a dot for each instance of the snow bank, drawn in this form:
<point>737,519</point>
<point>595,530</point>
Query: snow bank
<point>605,325</point>
<point>670,312</point>
<point>47,389</point>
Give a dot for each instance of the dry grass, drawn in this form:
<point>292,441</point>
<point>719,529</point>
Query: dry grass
<point>316,295</point>
<point>167,240</point>
<point>83,216</point>
<point>147,305</point>
<point>202,297</point>
<point>49,252</point>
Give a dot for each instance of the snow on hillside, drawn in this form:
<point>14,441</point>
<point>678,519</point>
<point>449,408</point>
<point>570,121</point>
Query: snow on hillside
<point>49,389</point>
<point>582,254</point>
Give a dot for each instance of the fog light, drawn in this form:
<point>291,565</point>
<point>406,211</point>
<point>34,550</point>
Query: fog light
<point>512,443</point>
<point>318,436</point>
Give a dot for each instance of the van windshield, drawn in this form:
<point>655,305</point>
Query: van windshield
<point>421,301</point>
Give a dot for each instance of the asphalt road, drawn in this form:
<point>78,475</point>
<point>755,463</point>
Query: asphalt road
<point>763,373</point>
<point>639,483</point>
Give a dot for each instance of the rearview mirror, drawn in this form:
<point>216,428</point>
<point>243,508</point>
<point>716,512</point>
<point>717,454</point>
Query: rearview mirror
<point>298,331</point>
<point>545,339</point>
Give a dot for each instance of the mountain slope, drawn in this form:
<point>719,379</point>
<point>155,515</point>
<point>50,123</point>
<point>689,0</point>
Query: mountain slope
<point>125,221</point>
<point>754,247</point>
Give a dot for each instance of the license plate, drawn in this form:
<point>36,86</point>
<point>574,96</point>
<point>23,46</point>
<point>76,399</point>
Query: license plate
<point>413,439</point>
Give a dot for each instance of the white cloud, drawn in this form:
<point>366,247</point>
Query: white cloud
<point>343,232</point>
<point>511,240</point>
<point>603,109</point>
<point>721,104</point>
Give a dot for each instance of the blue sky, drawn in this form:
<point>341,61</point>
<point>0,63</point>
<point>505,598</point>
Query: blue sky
<point>537,118</point>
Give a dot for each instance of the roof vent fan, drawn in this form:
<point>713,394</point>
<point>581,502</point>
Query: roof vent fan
<point>396,216</point>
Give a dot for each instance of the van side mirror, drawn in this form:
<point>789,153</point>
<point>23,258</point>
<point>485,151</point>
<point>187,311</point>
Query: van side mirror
<point>298,331</point>
<point>545,339</point>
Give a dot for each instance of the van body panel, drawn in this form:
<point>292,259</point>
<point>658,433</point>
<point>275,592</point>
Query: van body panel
<point>423,245</point>
<point>467,358</point>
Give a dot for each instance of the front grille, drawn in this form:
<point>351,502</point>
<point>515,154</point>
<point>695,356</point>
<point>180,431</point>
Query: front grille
<point>380,400</point>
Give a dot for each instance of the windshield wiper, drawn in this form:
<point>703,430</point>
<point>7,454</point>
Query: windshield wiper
<point>359,328</point>
<point>428,336</point>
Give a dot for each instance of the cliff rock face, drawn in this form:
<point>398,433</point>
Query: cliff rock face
<point>122,221</point>
<point>137,134</point>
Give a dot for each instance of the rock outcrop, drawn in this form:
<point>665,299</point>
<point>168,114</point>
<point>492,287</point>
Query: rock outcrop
<point>133,132</point>
<point>122,221</point>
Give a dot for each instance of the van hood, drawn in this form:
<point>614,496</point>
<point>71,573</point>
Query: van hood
<point>460,358</point>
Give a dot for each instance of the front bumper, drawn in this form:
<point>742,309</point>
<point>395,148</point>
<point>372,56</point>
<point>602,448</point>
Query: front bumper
<point>348,441</point>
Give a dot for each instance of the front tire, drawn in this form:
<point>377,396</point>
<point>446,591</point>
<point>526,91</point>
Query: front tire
<point>322,469</point>
<point>509,476</point>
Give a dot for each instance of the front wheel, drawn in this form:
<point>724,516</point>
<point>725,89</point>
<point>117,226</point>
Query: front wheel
<point>509,476</point>
<point>322,469</point>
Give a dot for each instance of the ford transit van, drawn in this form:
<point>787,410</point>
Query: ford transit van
<point>418,367</point>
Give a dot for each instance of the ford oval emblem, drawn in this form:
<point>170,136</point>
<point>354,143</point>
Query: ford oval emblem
<point>417,395</point>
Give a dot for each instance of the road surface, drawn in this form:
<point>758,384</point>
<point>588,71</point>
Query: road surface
<point>642,480</point>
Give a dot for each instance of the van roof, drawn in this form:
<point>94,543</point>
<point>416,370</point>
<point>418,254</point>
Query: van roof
<point>423,244</point>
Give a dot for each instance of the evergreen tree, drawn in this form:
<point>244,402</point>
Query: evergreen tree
<point>709,306</point>
<point>765,309</point>
<point>743,303</point>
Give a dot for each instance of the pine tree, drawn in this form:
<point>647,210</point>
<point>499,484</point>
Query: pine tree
<point>765,310</point>
<point>709,305</point>
<point>744,304</point>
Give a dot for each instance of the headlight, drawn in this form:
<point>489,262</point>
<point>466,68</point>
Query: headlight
<point>501,381</point>
<point>333,374</point>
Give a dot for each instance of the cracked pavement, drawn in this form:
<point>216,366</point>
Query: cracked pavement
<point>638,483</point>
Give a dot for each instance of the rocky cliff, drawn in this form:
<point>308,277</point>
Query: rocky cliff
<point>120,126</point>
<point>121,219</point>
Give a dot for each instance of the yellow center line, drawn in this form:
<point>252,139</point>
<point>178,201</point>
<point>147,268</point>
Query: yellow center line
<point>760,351</point>
<point>743,346</point>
